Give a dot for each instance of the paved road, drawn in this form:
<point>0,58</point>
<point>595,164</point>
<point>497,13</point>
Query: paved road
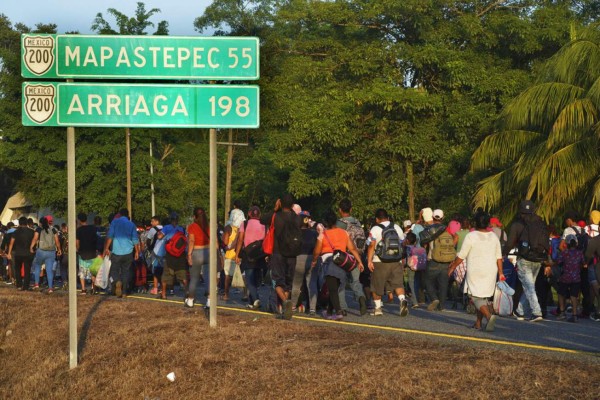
<point>583,336</point>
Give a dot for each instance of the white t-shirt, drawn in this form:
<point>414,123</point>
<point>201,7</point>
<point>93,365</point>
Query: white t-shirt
<point>570,231</point>
<point>482,252</point>
<point>592,230</point>
<point>375,235</point>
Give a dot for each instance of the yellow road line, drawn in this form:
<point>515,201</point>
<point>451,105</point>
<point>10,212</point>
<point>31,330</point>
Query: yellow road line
<point>395,329</point>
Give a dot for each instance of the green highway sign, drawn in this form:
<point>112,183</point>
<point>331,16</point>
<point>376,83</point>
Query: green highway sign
<point>139,57</point>
<point>140,105</point>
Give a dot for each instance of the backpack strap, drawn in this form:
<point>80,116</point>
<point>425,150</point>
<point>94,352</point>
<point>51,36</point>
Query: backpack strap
<point>328,241</point>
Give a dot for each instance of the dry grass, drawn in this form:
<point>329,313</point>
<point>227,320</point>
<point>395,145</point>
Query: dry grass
<point>130,347</point>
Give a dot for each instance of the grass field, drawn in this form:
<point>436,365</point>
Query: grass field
<point>127,348</point>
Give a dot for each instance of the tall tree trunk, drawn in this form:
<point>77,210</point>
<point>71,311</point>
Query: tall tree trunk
<point>410,181</point>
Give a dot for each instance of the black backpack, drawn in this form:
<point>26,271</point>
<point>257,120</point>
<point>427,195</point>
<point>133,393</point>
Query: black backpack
<point>389,249</point>
<point>533,243</point>
<point>290,237</point>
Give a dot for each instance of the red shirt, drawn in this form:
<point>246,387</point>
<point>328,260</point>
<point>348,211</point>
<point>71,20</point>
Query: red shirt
<point>200,237</point>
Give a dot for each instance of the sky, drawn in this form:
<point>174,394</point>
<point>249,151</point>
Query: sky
<point>78,15</point>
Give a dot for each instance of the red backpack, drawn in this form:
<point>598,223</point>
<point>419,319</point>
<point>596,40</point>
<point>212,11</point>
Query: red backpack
<point>177,244</point>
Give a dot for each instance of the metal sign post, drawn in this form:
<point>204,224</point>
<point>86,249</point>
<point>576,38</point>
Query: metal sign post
<point>72,228</point>
<point>213,227</point>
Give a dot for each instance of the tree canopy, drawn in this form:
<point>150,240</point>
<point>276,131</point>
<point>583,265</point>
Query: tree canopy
<point>381,101</point>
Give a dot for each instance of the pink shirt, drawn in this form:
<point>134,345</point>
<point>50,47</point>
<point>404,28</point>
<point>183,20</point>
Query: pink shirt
<point>254,231</point>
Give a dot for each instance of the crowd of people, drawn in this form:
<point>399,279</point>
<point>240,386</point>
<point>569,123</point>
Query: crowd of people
<point>309,264</point>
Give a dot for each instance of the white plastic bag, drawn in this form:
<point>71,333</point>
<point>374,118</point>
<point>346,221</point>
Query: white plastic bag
<point>103,274</point>
<point>503,301</point>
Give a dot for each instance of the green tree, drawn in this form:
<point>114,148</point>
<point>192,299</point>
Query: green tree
<point>136,25</point>
<point>547,140</point>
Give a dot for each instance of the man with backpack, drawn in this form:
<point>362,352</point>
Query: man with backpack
<point>122,235</point>
<point>529,234</point>
<point>175,246</point>
<point>287,245</point>
<point>358,237</point>
<point>440,253</point>
<point>383,256</point>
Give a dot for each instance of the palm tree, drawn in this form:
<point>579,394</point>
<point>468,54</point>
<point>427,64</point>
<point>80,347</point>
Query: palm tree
<point>548,138</point>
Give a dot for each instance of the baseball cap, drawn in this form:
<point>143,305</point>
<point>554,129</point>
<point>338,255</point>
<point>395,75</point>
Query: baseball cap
<point>526,207</point>
<point>438,214</point>
<point>407,223</point>
<point>595,217</point>
<point>50,219</point>
<point>495,221</point>
<point>304,213</point>
<point>570,237</point>
<point>15,222</point>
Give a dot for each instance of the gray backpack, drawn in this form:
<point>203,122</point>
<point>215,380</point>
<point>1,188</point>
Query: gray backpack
<point>47,240</point>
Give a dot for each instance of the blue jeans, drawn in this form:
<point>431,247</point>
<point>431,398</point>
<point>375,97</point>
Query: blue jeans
<point>354,279</point>
<point>252,276</point>
<point>46,257</point>
<point>527,272</point>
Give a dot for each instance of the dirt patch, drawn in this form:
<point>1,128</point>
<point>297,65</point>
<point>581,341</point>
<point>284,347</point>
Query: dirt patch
<point>128,347</point>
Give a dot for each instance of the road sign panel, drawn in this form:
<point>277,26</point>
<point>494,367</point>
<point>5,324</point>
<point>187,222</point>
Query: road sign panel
<point>139,57</point>
<point>140,105</point>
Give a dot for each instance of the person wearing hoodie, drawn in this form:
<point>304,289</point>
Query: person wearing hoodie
<point>530,235</point>
<point>230,239</point>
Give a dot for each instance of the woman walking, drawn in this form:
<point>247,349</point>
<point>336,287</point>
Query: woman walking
<point>197,253</point>
<point>481,249</point>
<point>333,238</point>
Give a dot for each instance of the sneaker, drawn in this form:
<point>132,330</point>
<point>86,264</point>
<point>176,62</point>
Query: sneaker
<point>403,308</point>
<point>336,317</point>
<point>250,306</point>
<point>535,318</point>
<point>489,327</point>
<point>154,291</point>
<point>415,306</point>
<point>301,309</point>
<point>433,306</point>
<point>595,317</point>
<point>119,289</point>
<point>312,313</point>
<point>256,304</point>
<point>189,303</point>
<point>362,302</point>
<point>50,291</point>
<point>287,309</point>
<point>572,319</point>
<point>561,316</point>
<point>377,312</point>
<point>518,316</point>
<point>36,287</point>
<point>83,292</point>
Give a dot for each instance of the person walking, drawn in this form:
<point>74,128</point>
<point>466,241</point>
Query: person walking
<point>440,253</point>
<point>86,241</point>
<point>358,238</point>
<point>20,250</point>
<point>230,239</point>
<point>286,247</point>
<point>482,250</point>
<point>122,235</point>
<point>48,247</point>
<point>175,267</point>
<point>197,252</point>
<point>386,272</point>
<point>249,254</point>
<point>332,239</point>
<point>529,233</point>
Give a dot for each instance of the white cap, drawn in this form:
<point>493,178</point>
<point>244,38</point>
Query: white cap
<point>15,222</point>
<point>438,214</point>
<point>407,223</point>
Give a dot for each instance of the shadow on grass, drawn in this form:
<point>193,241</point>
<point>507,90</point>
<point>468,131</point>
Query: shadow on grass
<point>86,326</point>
